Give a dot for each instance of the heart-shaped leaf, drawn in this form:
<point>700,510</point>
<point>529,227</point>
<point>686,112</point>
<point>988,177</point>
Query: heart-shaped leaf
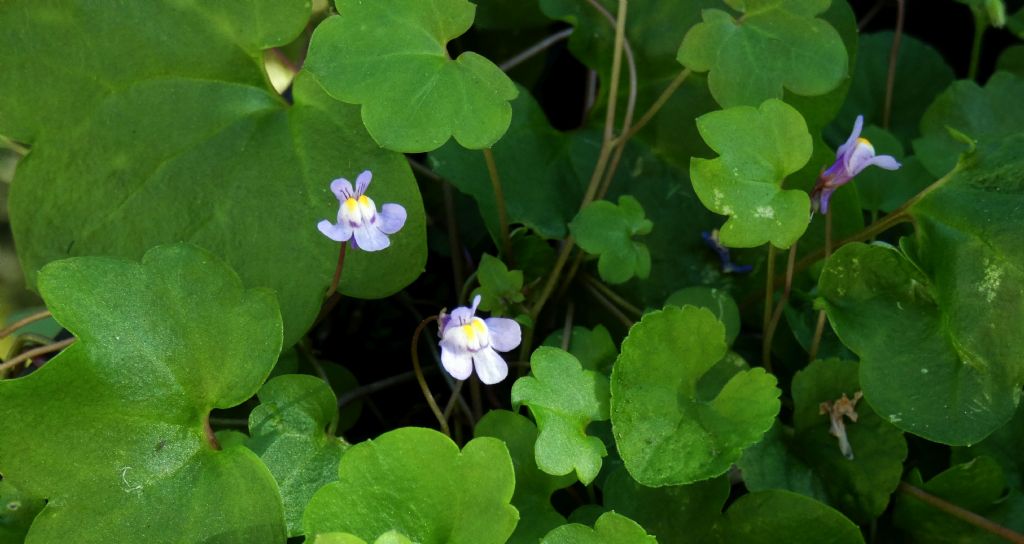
<point>770,517</point>
<point>391,59</point>
<point>610,528</point>
<point>159,345</point>
<point>666,431</point>
<point>758,148</point>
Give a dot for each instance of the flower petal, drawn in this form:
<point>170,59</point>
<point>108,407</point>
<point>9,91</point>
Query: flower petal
<point>363,181</point>
<point>341,188</point>
<point>885,161</point>
<point>490,366</point>
<point>505,333</point>
<point>858,159</point>
<point>848,145</point>
<point>370,238</point>
<point>392,218</point>
<point>338,233</point>
<point>476,303</point>
<point>458,363</point>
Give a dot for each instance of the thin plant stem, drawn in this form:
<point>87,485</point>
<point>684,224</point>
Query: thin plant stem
<point>229,422</point>
<point>613,296</point>
<point>423,382</point>
<point>980,25</point>
<point>450,407</point>
<point>769,295</point>
<point>894,51</point>
<point>870,15</point>
<point>549,285</point>
<point>475,398</point>
<point>962,514</point>
<point>773,323</point>
<point>570,312</point>
<point>38,316</point>
<point>819,327</point>
<point>658,104</point>
<point>610,306</point>
<point>499,200</point>
<point>13,146</point>
<point>535,49</point>
<point>33,353</point>
<point>211,437</point>
<point>337,270</point>
<point>370,388</point>
<point>454,243</point>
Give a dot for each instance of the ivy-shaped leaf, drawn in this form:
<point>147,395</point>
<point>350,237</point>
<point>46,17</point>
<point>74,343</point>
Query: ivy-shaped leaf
<point>666,431</point>
<point>716,300</point>
<point>770,517</point>
<point>229,168</point>
<point>564,398</point>
<point>390,537</point>
<point>607,230</point>
<point>758,148</point>
<point>533,491</point>
<point>391,59</point>
<point>774,44</point>
<point>594,348</point>
<point>499,287</point>
<point>675,514</point>
<point>160,344</point>
<point>413,480</point>
<point>293,433</point>
<point>811,461</point>
<point>610,528</point>
<point>986,114</point>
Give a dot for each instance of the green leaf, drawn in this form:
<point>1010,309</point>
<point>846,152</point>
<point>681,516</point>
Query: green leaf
<point>977,486</point>
<point>1012,58</point>
<point>666,433</point>
<point>595,348</point>
<point>770,517</point>
<point>533,488</point>
<point>226,167</point>
<point>716,300</point>
<point>1004,446</point>
<point>62,52</point>
<point>17,510</point>
<point>986,114</point>
<point>758,148</point>
<point>564,398</point>
<point>775,44</point>
<point>921,74</point>
<point>541,190</point>
<point>293,433</point>
<point>391,59</point>
<point>413,480</point>
<point>610,528</point>
<point>390,537</point>
<point>160,344</point>
<point>499,286</point>
<point>607,230</point>
<point>858,487</point>
<point>674,514</point>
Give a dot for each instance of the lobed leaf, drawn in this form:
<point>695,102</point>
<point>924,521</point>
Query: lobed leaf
<point>499,286</point>
<point>607,230</point>
<point>610,528</point>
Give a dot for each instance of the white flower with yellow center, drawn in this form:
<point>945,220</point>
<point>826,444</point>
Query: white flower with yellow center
<point>358,219</point>
<point>468,341</point>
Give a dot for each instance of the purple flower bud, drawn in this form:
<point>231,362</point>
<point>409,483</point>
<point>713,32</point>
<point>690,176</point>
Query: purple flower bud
<point>711,239</point>
<point>851,158</point>
<point>358,219</point>
<point>468,341</point>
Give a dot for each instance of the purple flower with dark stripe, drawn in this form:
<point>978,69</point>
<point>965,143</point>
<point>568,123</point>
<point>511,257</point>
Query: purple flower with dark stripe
<point>358,219</point>
<point>468,341</point>
<point>851,158</point>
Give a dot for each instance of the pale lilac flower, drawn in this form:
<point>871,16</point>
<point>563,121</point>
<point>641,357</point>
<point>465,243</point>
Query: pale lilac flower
<point>468,341</point>
<point>851,158</point>
<point>358,219</point>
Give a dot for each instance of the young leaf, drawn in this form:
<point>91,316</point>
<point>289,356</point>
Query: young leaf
<point>293,433</point>
<point>607,230</point>
<point>758,148</point>
<point>985,114</point>
<point>665,431</point>
<point>533,488</point>
<point>677,514</point>
<point>774,44</point>
<point>859,486</point>
<point>160,344</point>
<point>564,398</point>
<point>770,517</point>
<point>229,168</point>
<point>414,480</point>
<point>595,348</point>
<point>610,528</point>
<point>391,59</point>
<point>499,286</point>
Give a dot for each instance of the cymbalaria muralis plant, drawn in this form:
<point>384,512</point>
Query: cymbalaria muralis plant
<point>722,270</point>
